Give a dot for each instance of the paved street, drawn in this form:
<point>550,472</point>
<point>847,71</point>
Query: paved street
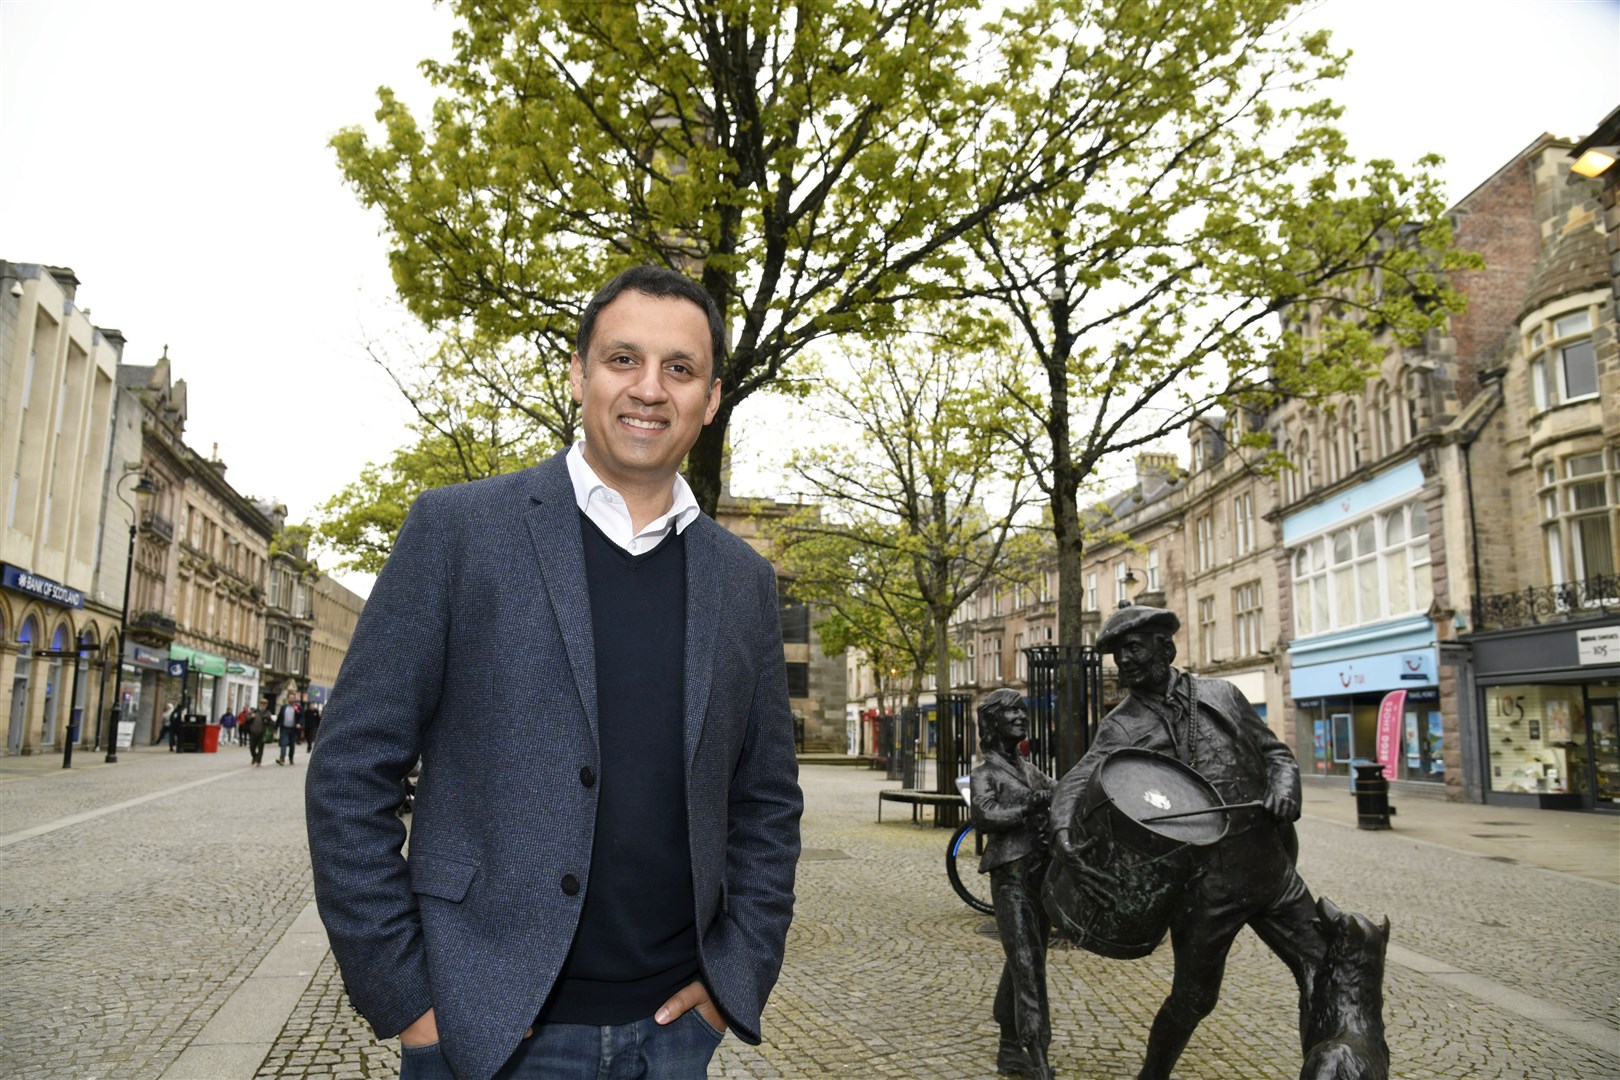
<point>155,921</point>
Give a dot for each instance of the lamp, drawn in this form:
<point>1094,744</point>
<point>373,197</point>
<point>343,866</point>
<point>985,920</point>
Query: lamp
<point>1595,162</point>
<point>143,489</point>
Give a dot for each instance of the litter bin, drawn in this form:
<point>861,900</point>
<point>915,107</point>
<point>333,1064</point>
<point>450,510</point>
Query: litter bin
<point>1372,796</point>
<point>210,739</point>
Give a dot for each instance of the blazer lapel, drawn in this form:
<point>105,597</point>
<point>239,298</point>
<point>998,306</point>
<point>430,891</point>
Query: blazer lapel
<point>703,576</point>
<point>553,520</point>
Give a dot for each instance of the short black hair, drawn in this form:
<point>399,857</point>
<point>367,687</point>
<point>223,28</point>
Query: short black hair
<point>661,282</point>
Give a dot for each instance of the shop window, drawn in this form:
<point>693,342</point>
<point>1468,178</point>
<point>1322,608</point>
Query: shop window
<point>1556,741</point>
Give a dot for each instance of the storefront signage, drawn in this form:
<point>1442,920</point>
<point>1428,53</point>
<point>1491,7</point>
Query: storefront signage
<point>1365,674</point>
<point>1600,645</point>
<point>44,588</point>
<point>317,694</point>
<point>1391,711</point>
<point>177,669</point>
<point>141,656</point>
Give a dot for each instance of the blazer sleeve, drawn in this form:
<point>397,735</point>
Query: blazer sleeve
<point>762,842</point>
<point>386,693</point>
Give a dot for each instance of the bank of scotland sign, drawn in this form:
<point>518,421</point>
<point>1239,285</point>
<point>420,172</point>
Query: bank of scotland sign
<point>15,577</point>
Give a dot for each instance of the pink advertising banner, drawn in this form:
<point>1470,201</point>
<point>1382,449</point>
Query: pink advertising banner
<point>1391,711</point>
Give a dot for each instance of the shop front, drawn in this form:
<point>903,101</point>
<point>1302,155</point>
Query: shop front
<point>1337,702</point>
<point>203,682</point>
<point>1548,707</point>
<point>140,682</point>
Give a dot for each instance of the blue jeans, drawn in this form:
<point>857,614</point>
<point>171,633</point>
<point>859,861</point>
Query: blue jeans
<point>289,744</point>
<point>643,1050</point>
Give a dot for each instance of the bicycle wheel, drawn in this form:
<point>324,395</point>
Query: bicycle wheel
<point>960,856</point>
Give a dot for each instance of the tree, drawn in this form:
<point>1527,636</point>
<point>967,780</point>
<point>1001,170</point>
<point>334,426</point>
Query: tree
<point>902,527</point>
<point>461,435</point>
<point>1165,274</point>
<point>812,164</point>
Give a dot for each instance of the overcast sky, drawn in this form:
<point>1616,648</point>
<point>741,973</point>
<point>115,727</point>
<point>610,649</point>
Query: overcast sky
<point>174,155</point>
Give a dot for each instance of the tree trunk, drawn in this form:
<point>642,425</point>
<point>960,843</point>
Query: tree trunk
<point>705,462</point>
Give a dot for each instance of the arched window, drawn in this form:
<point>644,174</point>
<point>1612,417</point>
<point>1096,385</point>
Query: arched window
<point>1383,420</point>
<point>1288,479</point>
<point>1330,447</point>
<point>1307,463</point>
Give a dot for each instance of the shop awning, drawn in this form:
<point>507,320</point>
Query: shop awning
<point>206,662</point>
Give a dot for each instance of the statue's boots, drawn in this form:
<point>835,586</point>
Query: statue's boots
<point>1040,1068</point>
<point>1011,1059</point>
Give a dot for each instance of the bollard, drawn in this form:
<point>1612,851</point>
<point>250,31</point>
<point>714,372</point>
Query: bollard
<point>1372,796</point>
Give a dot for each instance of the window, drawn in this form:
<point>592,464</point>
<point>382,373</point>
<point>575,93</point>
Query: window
<point>1046,587</point>
<point>992,657</point>
<point>1020,665</point>
<point>1246,619</point>
<point>1206,630</point>
<point>1577,512</point>
<point>1352,437</point>
<point>798,680</point>
<point>1197,449</point>
<point>1307,463</point>
<point>1288,477</point>
<point>1153,569</point>
<point>1243,523</point>
<point>1204,552</point>
<point>1333,452</point>
<point>1119,583</point>
<point>795,619</point>
<point>1564,365</point>
<point>1091,591</point>
<point>971,668</point>
<point>1371,569</point>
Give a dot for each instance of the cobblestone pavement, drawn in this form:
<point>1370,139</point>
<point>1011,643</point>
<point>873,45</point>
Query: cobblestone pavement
<point>888,973</point>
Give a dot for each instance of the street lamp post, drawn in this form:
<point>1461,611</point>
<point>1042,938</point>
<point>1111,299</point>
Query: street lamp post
<point>143,487</point>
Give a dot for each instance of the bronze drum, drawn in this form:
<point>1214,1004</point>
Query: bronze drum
<point>1152,860</point>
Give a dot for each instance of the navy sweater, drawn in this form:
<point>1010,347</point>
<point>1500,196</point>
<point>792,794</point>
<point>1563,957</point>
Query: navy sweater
<point>637,939</point>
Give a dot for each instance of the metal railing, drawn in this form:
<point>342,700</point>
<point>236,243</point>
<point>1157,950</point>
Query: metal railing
<point>1595,595</point>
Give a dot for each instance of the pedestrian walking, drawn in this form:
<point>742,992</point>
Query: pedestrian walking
<point>172,726</point>
<point>288,731</point>
<point>241,725</point>
<point>622,890</point>
<point>227,726</point>
<point>255,723</point>
<point>312,722</point>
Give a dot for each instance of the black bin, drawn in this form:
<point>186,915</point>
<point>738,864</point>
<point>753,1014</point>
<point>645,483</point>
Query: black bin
<point>1372,796</point>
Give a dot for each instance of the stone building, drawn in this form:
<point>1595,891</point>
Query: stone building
<point>1538,451</point>
<point>289,611</point>
<point>815,680</point>
<point>199,570</point>
<point>58,392</point>
<point>335,612</point>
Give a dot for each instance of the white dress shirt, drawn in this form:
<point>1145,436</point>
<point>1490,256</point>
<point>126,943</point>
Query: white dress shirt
<point>605,507</point>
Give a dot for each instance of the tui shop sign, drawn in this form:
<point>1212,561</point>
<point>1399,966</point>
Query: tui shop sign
<point>15,577</point>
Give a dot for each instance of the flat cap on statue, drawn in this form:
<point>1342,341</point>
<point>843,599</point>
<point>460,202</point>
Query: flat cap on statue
<point>1136,619</point>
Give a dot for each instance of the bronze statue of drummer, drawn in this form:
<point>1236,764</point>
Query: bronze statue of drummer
<point>1010,802</point>
<point>1247,877</point>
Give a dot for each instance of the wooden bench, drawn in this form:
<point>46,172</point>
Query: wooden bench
<point>920,799</point>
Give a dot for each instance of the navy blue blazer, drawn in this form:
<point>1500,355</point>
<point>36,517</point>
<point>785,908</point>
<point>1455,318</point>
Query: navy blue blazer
<point>474,652</point>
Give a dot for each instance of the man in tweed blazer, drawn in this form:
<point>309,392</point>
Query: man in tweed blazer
<point>643,836</point>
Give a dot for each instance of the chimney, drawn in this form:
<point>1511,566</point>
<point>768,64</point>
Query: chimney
<point>1161,465</point>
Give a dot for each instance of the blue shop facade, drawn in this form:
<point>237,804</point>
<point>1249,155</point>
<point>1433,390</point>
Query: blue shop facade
<point>1359,566</point>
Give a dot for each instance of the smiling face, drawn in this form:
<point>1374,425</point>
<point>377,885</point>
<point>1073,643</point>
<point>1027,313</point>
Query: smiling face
<point>646,387</point>
<point>1143,662</point>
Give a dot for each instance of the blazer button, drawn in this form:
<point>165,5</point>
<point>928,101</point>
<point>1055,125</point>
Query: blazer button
<point>570,885</point>
<point>587,776</point>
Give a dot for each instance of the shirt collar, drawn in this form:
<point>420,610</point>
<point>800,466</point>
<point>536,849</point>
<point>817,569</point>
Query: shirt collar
<point>590,493</point>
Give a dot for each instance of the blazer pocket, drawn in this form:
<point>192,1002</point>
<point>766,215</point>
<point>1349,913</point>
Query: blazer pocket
<point>434,875</point>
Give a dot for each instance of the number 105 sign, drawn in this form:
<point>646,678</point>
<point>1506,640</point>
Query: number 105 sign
<point>1600,645</point>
